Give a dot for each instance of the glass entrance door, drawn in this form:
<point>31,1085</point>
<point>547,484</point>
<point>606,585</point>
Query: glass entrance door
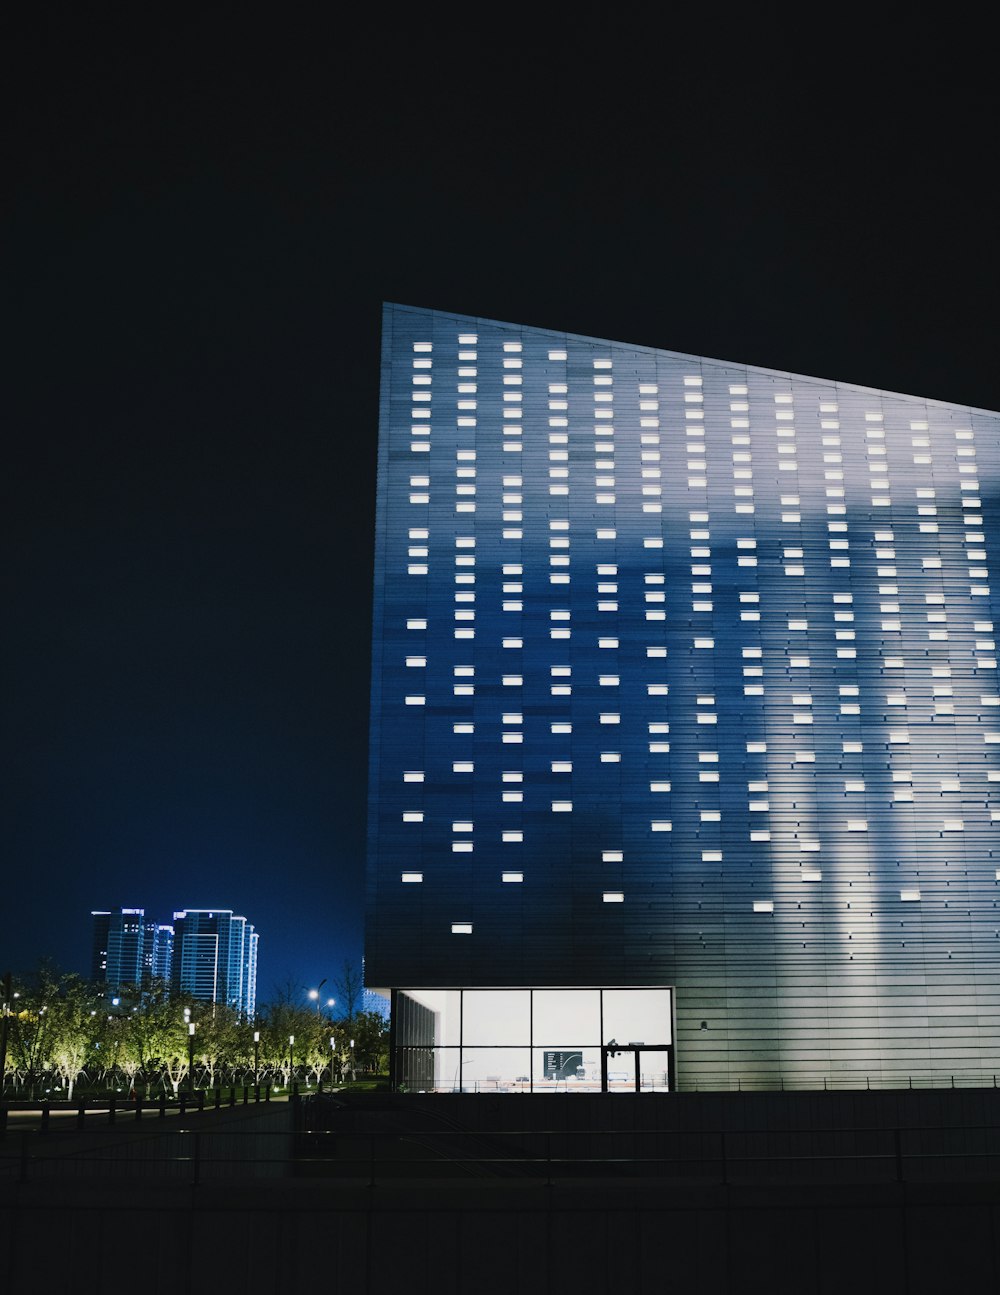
<point>654,1070</point>
<point>631,1068</point>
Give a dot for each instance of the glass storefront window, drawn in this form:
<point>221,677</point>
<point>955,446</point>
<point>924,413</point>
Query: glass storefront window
<point>567,1017</point>
<point>496,1017</point>
<point>428,1017</point>
<point>567,1070</point>
<point>637,1015</point>
<point>496,1070</point>
<point>532,1040</point>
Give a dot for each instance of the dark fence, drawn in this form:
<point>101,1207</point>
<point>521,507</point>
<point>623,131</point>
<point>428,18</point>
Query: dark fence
<point>711,1157</point>
<point>114,1109</point>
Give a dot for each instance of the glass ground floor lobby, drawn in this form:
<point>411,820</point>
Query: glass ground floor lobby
<point>532,1040</point>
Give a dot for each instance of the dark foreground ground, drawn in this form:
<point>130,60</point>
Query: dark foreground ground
<point>803,1192</point>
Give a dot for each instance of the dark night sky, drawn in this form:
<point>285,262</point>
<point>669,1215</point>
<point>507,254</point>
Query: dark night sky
<point>201,224</point>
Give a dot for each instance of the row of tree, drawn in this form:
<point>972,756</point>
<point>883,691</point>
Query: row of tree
<point>63,1033</point>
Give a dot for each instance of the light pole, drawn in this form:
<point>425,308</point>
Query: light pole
<point>256,1070</point>
<point>314,993</point>
<point>354,1074</point>
<point>191,1057</point>
<point>333,1053</point>
<point>291,1058</point>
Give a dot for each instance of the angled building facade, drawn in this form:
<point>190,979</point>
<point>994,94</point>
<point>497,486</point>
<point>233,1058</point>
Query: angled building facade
<point>685,742</point>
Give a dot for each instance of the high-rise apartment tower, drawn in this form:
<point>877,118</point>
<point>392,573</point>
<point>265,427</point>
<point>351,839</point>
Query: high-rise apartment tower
<point>215,958</point>
<point>118,947</point>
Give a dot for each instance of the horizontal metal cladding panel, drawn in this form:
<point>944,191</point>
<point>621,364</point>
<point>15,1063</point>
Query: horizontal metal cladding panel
<point>685,673</point>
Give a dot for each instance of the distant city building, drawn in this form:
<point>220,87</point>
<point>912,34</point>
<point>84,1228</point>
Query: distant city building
<point>158,954</point>
<point>118,947</point>
<point>373,1001</point>
<point>215,958</point>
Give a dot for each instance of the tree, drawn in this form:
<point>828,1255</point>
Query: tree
<point>173,1057</point>
<point>216,1034</point>
<point>69,1022</point>
<point>348,985</point>
<point>31,1036</point>
<point>144,1031</point>
<point>316,1051</point>
<point>371,1042</point>
<point>282,1019</point>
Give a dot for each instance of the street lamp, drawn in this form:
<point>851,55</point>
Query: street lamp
<point>291,1058</point>
<point>256,1071</point>
<point>314,993</point>
<point>191,1057</point>
<point>333,1053</point>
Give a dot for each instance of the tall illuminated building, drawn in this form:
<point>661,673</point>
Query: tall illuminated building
<point>118,947</point>
<point>215,958</point>
<point>158,952</point>
<point>685,723</point>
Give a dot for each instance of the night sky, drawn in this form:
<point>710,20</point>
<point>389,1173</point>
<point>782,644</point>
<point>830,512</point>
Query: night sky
<point>201,224</point>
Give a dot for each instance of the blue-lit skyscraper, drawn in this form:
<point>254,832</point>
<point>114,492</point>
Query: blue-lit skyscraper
<point>158,952</point>
<point>118,947</point>
<point>685,719</point>
<point>215,958</point>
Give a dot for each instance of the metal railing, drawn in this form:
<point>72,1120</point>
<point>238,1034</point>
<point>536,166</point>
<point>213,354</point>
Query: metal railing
<point>717,1157</point>
<point>115,1109</point>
